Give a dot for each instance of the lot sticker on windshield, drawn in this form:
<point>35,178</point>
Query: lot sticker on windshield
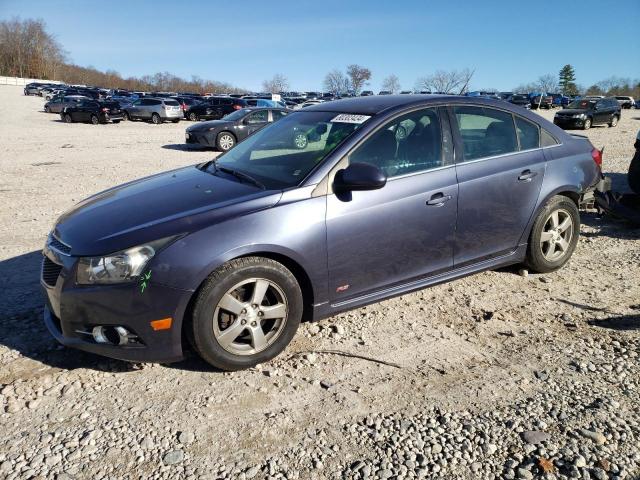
<point>349,118</point>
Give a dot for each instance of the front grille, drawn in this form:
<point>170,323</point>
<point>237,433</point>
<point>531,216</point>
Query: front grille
<point>50,272</point>
<point>56,244</point>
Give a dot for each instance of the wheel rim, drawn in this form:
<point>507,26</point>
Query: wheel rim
<point>67,118</point>
<point>250,317</point>
<point>614,121</point>
<point>300,140</point>
<point>155,119</point>
<point>226,142</point>
<point>556,236</point>
<point>587,123</point>
<point>193,117</point>
<point>94,120</point>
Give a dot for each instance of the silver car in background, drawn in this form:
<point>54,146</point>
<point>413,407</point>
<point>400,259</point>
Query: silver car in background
<point>58,104</point>
<point>157,110</point>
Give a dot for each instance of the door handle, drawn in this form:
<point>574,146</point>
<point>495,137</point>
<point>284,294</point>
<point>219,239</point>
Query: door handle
<point>527,175</point>
<point>438,199</point>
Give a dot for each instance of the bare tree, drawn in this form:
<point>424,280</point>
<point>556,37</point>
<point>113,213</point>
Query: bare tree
<point>279,83</point>
<point>547,83</point>
<point>391,84</point>
<point>359,76</point>
<point>442,81</point>
<point>336,82</point>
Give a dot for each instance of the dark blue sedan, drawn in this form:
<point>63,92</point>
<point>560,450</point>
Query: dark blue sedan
<point>387,195</point>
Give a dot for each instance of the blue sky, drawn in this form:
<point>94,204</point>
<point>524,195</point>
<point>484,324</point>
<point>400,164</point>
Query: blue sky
<point>245,42</point>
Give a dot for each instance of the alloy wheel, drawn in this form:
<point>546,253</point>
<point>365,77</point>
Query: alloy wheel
<point>250,316</point>
<point>300,140</point>
<point>556,235</point>
<point>226,142</point>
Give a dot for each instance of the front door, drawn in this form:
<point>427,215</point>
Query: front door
<point>405,230</point>
<point>500,170</point>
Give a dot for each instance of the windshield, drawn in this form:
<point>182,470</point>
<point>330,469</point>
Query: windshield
<point>582,104</point>
<point>282,154</point>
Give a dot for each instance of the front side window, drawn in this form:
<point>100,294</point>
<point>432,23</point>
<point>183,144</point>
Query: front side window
<point>257,117</point>
<point>283,153</point>
<point>528,134</point>
<point>408,144</point>
<point>485,132</point>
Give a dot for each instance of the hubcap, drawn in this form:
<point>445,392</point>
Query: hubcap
<point>226,142</point>
<point>556,236</point>
<point>301,140</point>
<point>250,316</point>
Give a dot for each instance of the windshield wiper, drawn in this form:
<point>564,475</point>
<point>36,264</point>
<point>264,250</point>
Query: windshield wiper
<point>241,175</point>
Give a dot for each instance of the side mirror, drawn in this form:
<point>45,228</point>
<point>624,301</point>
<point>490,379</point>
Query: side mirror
<point>358,177</point>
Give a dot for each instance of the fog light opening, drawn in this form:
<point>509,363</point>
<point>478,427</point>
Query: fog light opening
<point>111,335</point>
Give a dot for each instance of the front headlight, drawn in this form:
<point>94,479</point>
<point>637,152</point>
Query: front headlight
<point>580,115</point>
<point>120,267</point>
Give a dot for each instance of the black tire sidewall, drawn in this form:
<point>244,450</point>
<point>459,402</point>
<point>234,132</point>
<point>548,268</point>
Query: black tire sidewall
<point>535,260</point>
<point>633,177</point>
<point>97,120</point>
<point>155,119</point>
<point>217,285</point>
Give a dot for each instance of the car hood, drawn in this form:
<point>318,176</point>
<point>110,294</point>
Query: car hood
<point>571,111</point>
<point>207,125</point>
<point>171,203</point>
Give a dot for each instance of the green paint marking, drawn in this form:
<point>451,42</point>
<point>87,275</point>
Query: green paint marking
<point>144,279</point>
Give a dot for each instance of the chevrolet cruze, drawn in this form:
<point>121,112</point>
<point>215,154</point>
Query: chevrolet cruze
<point>388,195</point>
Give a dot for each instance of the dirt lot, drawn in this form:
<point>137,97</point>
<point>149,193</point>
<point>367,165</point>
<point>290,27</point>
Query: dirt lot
<point>473,367</point>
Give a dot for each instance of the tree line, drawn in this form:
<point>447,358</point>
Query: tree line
<point>27,50</point>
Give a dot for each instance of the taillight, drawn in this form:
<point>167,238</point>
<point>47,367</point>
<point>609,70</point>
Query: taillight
<point>597,156</point>
<point>105,109</point>
<point>237,107</point>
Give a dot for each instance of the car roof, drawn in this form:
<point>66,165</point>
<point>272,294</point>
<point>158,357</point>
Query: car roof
<point>375,104</point>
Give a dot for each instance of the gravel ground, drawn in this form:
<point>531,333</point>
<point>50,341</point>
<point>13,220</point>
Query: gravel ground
<point>499,375</point>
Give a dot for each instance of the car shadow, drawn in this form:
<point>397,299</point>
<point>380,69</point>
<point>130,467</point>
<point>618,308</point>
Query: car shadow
<point>22,328</point>
<point>622,322</point>
<point>187,147</point>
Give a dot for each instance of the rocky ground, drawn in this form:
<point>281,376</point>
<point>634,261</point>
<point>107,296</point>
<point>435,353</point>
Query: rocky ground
<point>500,375</point>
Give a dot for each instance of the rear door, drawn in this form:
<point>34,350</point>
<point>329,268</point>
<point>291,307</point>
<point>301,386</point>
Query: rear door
<point>255,121</point>
<point>500,168</point>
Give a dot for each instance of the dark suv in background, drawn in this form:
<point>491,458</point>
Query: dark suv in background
<point>586,112</point>
<point>214,108</point>
<point>92,111</point>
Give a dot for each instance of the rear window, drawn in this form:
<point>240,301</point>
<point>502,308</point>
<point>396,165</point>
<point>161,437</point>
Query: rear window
<point>546,139</point>
<point>173,103</point>
<point>528,134</point>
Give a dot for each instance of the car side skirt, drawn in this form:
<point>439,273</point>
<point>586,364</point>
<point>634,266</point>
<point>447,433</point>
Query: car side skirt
<point>326,309</point>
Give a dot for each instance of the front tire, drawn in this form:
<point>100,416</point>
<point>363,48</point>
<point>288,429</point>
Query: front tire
<point>587,124</point>
<point>246,313</point>
<point>614,121</point>
<point>47,109</point>
<point>554,235</point>
<point>126,117</point>
<point>225,141</point>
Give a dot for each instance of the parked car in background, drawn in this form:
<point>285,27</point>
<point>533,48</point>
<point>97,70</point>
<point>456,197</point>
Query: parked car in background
<point>559,100</point>
<point>625,102</point>
<point>366,93</point>
<point>92,111</point>
<point>156,110</point>
<point>224,134</point>
<point>586,112</point>
<point>186,103</point>
<point>214,108</point>
<point>406,92</point>
<point>231,254</point>
<point>541,101</point>
<point>32,88</point>
<point>522,100</point>
<point>57,104</point>
<point>306,104</point>
<point>384,92</point>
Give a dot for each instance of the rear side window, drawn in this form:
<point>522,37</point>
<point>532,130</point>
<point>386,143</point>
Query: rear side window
<point>546,139</point>
<point>485,132</point>
<point>173,103</point>
<point>278,114</point>
<point>528,134</point>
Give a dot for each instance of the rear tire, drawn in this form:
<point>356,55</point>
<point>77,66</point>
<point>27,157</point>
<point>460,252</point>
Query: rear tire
<point>116,121</point>
<point>634,173</point>
<point>614,121</point>
<point>587,124</point>
<point>47,109</point>
<point>175,121</point>
<point>155,118</point>
<point>66,118</point>
<point>193,116</point>
<point>554,235</point>
<point>257,301</point>
<point>126,117</point>
<point>95,120</point>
